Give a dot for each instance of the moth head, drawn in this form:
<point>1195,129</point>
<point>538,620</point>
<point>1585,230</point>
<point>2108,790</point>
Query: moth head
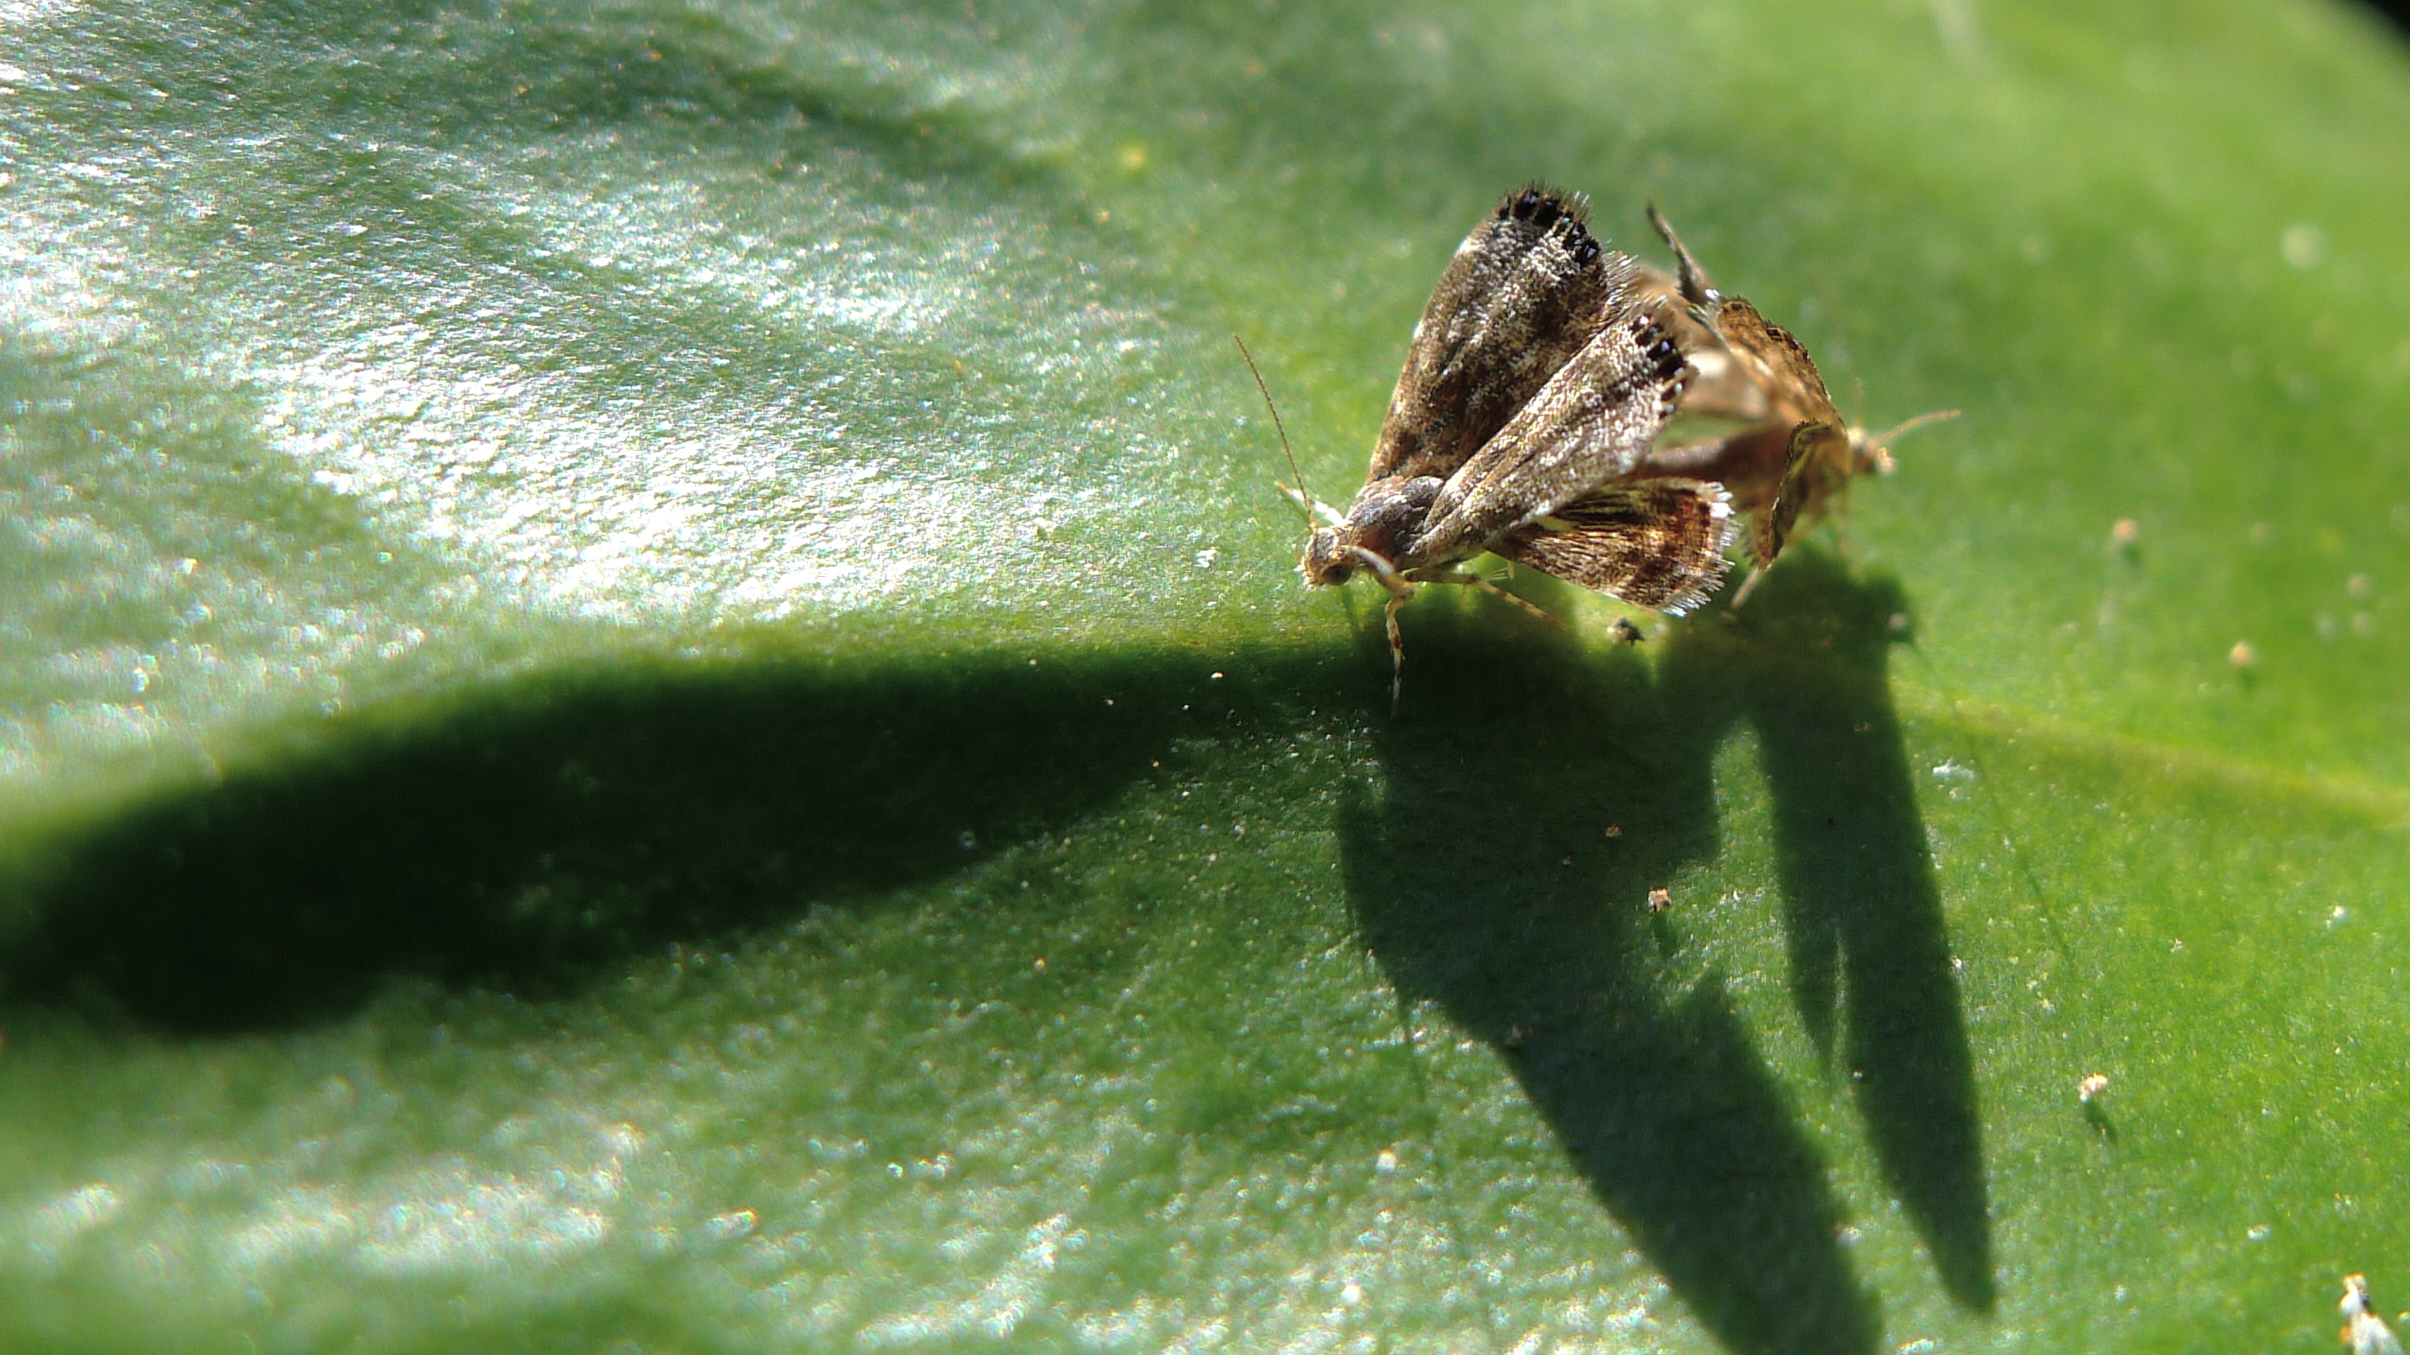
<point>1379,524</point>
<point>1334,547</point>
<point>1330,557</point>
<point>1868,452</point>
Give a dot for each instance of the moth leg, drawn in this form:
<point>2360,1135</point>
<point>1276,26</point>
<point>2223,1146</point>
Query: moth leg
<point>1397,653</point>
<point>1401,591</point>
<point>1476,581</point>
<point>1748,586</point>
<point>1399,586</point>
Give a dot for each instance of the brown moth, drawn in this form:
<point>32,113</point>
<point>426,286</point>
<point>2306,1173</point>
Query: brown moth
<point>1533,387</point>
<point>1792,451</point>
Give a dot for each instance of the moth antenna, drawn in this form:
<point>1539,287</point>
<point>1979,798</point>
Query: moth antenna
<point>1304,500</point>
<point>1891,434</point>
<point>1696,289</point>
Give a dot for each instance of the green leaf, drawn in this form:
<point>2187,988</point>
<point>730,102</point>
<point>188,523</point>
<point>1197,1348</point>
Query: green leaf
<point>651,693</point>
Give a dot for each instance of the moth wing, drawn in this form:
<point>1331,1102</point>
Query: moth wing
<point>1692,286</point>
<point>1590,425</point>
<point>1779,363</point>
<point>1653,543</point>
<point>1527,291</point>
<point>1721,387</point>
<point>1772,361</point>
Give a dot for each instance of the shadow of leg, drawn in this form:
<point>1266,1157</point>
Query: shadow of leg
<point>1858,886</point>
<point>1512,909</point>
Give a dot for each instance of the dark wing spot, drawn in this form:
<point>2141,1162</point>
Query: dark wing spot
<point>1542,204</point>
<point>1557,213</point>
<point>1666,367</point>
<point>1664,356</point>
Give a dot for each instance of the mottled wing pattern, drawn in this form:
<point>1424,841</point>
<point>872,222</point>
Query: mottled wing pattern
<point>1779,362</point>
<point>1590,424</point>
<point>1527,290</point>
<point>1652,543</point>
<point>1819,438</point>
<point>1720,386</point>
